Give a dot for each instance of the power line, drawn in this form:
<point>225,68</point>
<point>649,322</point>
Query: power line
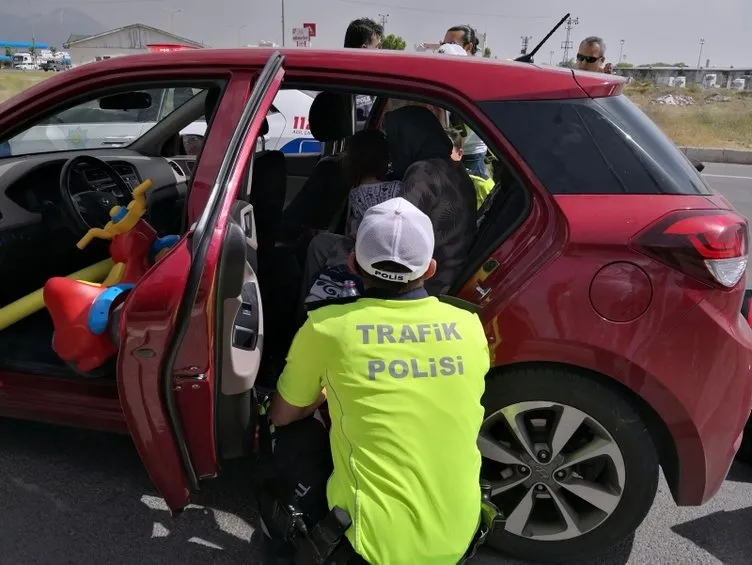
<point>567,44</point>
<point>452,12</point>
<point>384,18</point>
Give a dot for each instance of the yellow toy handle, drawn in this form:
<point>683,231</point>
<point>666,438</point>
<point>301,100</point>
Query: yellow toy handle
<point>123,219</point>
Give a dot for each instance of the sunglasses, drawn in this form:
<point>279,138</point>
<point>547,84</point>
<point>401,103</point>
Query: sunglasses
<point>587,58</point>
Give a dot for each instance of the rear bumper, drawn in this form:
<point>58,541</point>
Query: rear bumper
<point>703,391</point>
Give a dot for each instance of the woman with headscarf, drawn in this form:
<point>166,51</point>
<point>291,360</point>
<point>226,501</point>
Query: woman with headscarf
<point>421,156</point>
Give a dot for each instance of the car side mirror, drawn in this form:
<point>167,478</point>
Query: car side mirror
<point>697,165</point>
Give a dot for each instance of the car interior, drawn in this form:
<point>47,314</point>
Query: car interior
<point>291,197</point>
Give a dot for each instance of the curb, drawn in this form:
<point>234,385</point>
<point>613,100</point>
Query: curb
<point>707,155</point>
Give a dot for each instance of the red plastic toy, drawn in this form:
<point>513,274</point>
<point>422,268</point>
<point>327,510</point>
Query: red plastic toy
<point>80,310</point>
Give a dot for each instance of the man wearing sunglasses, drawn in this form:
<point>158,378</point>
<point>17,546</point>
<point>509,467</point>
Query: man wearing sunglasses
<point>591,56</point>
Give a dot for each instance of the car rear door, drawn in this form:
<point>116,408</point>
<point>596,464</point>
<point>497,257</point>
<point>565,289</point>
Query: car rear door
<point>191,329</point>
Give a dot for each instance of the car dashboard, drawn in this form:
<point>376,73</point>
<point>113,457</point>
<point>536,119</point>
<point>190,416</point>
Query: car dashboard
<point>29,184</point>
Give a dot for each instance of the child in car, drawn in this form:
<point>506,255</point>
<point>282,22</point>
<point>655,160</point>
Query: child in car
<point>367,162</point>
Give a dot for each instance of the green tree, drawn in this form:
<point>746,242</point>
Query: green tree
<point>569,64</point>
<point>624,66</point>
<point>682,64</point>
<point>53,50</point>
<point>33,50</point>
<point>393,42</point>
<point>487,52</point>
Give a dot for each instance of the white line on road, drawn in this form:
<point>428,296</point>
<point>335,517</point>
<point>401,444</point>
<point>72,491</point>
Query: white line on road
<point>726,177</point>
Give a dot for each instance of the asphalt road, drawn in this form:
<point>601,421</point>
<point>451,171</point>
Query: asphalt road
<point>76,497</point>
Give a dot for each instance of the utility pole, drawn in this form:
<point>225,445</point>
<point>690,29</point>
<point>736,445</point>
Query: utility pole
<point>384,18</point>
<point>567,45</point>
<point>621,49</point>
<point>283,23</point>
<point>551,57</point>
<point>699,57</point>
<point>525,42</point>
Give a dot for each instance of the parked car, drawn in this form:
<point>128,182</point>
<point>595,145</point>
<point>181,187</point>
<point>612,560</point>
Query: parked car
<point>606,272</point>
<point>87,126</point>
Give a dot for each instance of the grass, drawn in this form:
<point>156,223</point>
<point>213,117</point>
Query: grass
<point>709,122</point>
<point>706,123</point>
<point>13,82</point>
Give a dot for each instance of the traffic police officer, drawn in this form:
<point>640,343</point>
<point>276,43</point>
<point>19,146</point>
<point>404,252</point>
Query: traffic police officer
<point>403,374</point>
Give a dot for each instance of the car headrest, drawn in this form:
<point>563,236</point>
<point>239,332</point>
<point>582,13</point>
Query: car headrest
<point>330,117</point>
<point>264,127</point>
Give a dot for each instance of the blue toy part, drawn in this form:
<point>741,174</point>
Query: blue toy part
<point>99,313</point>
<point>121,213</point>
<point>160,244</point>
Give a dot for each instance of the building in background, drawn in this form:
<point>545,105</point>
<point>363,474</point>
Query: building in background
<point>737,78</point>
<point>134,38</point>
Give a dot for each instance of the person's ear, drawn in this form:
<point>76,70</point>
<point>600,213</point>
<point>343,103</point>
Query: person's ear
<point>461,153</point>
<point>431,271</point>
<point>351,264</point>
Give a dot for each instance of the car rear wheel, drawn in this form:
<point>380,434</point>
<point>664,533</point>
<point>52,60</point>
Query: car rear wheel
<point>571,464</point>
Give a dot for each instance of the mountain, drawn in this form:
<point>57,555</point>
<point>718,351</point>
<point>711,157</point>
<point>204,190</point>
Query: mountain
<point>52,28</point>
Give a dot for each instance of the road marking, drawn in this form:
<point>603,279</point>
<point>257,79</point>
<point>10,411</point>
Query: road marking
<point>726,177</point>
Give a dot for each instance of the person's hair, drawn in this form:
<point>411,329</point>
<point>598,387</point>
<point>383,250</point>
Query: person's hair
<point>593,39</point>
<point>469,36</point>
<point>367,156</point>
<point>389,266</point>
<point>361,31</point>
<point>456,136</point>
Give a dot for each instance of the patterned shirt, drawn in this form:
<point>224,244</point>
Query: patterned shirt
<point>366,195</point>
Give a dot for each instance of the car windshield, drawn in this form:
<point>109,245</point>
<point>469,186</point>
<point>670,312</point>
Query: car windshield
<point>113,121</point>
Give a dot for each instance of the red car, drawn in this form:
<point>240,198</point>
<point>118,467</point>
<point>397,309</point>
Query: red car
<point>607,274</point>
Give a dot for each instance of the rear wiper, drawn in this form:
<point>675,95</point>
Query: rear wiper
<point>528,57</point>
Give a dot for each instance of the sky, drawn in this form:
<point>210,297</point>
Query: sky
<point>652,30</point>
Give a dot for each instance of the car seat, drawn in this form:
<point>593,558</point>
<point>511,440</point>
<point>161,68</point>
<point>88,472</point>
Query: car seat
<point>268,193</point>
<point>320,200</point>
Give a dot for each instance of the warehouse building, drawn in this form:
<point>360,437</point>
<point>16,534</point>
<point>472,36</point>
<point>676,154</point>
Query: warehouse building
<point>126,40</point>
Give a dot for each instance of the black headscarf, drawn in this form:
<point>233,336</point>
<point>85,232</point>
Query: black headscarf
<point>414,133</point>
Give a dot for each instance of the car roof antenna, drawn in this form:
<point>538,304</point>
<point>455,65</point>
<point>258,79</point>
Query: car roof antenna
<point>528,57</point>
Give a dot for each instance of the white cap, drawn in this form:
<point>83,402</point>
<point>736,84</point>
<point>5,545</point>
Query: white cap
<point>395,231</point>
<point>451,49</point>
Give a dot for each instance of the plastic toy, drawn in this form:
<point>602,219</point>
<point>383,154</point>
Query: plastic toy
<point>81,310</point>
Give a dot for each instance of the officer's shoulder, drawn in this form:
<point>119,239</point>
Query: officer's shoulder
<point>321,304</point>
<point>459,303</point>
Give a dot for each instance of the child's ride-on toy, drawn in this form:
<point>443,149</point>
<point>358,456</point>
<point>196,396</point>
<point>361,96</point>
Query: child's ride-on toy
<point>82,311</point>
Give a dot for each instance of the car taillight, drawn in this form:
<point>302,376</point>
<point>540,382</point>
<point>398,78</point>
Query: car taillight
<point>709,245</point>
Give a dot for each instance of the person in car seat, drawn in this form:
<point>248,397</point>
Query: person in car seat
<point>367,162</point>
<point>421,156</point>
<point>420,152</point>
<point>403,374</point>
<point>483,187</point>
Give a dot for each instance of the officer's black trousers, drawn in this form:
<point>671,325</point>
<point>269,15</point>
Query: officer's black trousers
<point>303,461</point>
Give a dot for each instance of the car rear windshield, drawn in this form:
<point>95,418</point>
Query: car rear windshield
<point>595,146</point>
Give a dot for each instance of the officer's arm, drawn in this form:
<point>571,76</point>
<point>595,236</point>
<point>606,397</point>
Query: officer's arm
<point>299,389</point>
<point>282,412</point>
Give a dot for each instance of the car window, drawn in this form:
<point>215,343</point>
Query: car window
<point>594,147</point>
<point>88,125</point>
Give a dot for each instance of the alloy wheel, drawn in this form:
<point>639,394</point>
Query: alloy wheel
<point>554,471</point>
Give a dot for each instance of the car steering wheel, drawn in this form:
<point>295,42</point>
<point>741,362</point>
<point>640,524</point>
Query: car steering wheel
<point>91,208</point>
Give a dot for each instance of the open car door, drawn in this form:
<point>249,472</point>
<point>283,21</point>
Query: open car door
<point>191,330</point>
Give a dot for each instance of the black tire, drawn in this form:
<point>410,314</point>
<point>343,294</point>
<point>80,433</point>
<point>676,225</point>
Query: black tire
<point>620,419</point>
<point>745,450</point>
